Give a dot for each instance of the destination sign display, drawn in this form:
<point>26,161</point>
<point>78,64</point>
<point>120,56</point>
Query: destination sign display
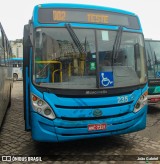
<point>48,15</point>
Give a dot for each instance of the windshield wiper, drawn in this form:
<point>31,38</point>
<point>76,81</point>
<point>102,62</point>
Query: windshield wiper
<point>155,58</point>
<point>149,61</point>
<point>75,38</point>
<point>117,44</point>
<point>157,62</point>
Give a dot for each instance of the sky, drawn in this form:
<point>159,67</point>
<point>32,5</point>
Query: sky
<point>14,14</point>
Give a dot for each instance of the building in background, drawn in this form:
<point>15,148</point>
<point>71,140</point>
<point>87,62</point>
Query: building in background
<point>17,48</point>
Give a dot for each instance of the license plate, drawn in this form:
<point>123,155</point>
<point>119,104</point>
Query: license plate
<point>92,127</point>
<point>154,100</point>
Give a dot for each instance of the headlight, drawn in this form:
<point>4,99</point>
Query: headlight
<point>142,101</point>
<point>41,107</point>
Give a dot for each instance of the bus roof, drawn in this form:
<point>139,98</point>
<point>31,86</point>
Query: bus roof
<point>83,6</point>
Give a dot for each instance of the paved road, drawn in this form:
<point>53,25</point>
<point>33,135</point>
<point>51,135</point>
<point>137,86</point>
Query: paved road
<point>15,141</point>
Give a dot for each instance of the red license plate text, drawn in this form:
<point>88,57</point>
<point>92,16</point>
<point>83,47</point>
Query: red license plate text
<point>92,127</point>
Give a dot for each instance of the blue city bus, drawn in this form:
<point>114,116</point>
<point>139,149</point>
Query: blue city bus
<point>84,72</point>
<point>6,81</point>
<point>17,72</point>
<point>153,65</point>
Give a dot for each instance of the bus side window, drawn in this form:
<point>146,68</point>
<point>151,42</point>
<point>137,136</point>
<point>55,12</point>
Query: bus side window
<point>2,51</point>
<point>38,57</point>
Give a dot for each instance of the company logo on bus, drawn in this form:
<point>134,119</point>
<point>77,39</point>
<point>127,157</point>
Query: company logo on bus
<point>96,92</point>
<point>97,113</point>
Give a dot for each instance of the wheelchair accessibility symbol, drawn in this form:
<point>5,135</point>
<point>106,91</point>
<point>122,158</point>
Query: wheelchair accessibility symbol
<point>106,79</point>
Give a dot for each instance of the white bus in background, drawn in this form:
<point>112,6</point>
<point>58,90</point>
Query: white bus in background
<point>6,82</point>
<point>17,68</point>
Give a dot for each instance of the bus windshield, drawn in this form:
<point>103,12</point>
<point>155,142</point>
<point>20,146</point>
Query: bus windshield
<point>62,62</point>
<point>153,58</point>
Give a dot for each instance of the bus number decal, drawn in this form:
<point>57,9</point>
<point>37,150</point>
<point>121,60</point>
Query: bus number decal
<point>59,15</point>
<point>122,99</point>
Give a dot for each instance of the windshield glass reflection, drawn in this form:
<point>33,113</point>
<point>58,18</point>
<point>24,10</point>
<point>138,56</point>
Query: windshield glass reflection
<point>59,62</point>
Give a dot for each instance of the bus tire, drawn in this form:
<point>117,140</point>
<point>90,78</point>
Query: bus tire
<point>15,77</point>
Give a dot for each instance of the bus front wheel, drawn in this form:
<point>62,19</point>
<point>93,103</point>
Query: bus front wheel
<point>15,77</point>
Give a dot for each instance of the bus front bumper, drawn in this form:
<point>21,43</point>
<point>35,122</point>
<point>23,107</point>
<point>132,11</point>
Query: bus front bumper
<point>58,130</point>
